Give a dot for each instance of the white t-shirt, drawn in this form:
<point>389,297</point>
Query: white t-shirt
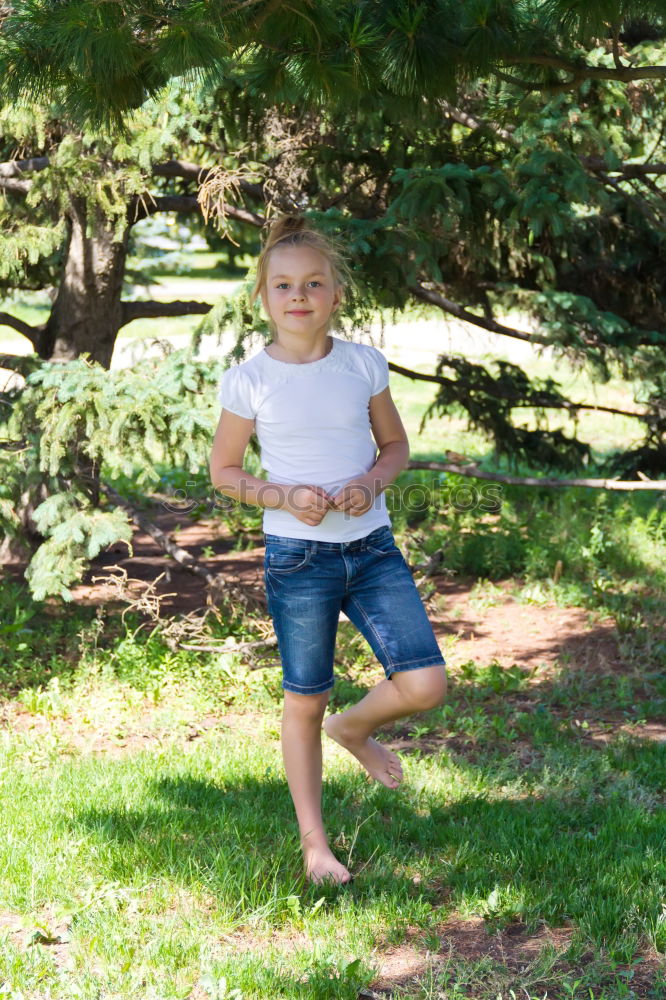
<point>313,426</point>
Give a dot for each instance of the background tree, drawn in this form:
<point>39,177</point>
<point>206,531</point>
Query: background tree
<point>454,181</point>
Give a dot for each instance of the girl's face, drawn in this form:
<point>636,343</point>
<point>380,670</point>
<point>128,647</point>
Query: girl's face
<point>300,293</point>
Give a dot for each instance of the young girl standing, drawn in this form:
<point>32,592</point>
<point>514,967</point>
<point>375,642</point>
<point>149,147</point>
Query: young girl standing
<point>316,402</point>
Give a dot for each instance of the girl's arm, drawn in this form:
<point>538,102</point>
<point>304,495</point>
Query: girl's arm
<point>391,437</point>
<point>226,464</point>
<point>389,433</point>
<point>307,503</point>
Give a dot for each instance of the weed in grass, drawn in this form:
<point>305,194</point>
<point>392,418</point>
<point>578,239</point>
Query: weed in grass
<point>485,594</point>
<point>218,988</point>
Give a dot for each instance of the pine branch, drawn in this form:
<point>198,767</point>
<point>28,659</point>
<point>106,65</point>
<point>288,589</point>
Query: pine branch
<point>596,163</point>
<point>151,309</point>
<point>435,299</point>
<point>141,207</point>
<point>195,172</point>
<point>598,484</point>
<point>583,71</point>
<point>33,333</point>
<point>545,404</point>
<point>463,118</point>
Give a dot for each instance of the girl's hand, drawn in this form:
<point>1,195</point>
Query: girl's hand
<point>309,504</point>
<point>355,497</point>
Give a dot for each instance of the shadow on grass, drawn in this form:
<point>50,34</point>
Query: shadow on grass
<point>580,852</point>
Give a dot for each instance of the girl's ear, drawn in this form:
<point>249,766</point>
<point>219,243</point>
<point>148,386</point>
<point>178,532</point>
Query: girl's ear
<point>338,296</point>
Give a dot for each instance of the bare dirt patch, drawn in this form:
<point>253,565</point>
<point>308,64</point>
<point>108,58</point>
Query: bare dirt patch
<point>42,931</point>
<point>510,632</point>
<point>113,738</point>
<point>540,637</point>
<point>529,635</point>
<point>513,949</point>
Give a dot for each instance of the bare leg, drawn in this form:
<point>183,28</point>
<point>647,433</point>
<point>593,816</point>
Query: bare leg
<point>407,692</point>
<point>301,752</point>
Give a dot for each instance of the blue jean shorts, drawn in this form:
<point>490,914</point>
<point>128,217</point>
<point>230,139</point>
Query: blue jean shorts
<point>309,582</point>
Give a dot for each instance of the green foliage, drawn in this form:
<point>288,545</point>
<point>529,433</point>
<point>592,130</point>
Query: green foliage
<point>489,400</point>
<point>73,536</point>
<point>610,548</point>
<point>515,197</point>
<point>23,245</point>
<point>76,416</point>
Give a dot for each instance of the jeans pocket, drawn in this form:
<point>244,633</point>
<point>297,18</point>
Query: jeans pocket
<point>287,559</point>
<point>383,545</point>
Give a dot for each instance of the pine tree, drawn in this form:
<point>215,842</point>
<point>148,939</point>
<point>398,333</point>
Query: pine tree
<point>508,155</point>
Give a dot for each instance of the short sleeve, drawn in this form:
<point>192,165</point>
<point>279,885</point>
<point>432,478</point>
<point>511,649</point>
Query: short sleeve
<point>379,371</point>
<point>233,393</point>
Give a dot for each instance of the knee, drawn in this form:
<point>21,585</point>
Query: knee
<point>308,707</point>
<point>423,688</point>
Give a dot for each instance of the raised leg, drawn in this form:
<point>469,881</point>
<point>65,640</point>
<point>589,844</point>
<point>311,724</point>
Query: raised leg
<point>407,692</point>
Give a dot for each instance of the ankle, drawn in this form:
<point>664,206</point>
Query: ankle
<point>314,841</point>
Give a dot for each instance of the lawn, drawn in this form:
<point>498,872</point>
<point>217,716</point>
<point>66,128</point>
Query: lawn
<point>148,848</point>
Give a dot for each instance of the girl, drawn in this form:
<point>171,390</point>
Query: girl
<point>315,400</point>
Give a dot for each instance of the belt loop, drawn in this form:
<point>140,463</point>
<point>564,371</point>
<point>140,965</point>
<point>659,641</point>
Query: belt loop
<point>313,545</point>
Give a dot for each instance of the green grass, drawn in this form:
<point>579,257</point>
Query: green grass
<point>170,863</point>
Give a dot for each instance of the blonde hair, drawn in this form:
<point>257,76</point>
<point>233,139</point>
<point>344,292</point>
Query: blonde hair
<point>294,231</point>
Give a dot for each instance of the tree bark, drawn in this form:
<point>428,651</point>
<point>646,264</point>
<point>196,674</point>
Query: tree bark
<point>86,316</point>
<point>87,311</point>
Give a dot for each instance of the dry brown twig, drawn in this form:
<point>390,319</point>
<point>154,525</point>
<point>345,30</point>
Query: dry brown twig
<point>219,184</point>
<point>191,630</point>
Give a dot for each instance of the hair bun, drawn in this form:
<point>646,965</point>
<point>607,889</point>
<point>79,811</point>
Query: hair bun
<point>283,226</point>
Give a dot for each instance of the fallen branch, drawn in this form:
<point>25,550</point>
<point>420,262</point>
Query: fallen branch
<point>226,647</point>
<point>473,471</point>
<point>564,404</point>
<point>181,556</point>
<point>218,584</point>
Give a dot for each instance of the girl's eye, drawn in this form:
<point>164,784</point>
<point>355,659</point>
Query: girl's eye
<point>285,284</point>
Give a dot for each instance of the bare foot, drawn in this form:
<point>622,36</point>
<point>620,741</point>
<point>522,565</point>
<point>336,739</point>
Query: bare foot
<point>321,865</point>
<point>380,763</point>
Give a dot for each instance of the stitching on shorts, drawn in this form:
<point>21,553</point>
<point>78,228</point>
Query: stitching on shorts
<point>371,626</point>
<point>305,688</point>
<point>418,659</point>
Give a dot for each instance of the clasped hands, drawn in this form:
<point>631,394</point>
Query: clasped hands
<point>310,504</point>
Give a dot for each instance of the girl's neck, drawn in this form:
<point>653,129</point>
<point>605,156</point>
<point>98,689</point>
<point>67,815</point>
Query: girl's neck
<point>295,350</point>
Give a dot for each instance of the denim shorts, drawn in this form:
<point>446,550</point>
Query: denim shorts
<point>309,582</point>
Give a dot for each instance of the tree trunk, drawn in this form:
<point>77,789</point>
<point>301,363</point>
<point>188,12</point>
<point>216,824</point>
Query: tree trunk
<point>87,311</point>
<point>86,316</point>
